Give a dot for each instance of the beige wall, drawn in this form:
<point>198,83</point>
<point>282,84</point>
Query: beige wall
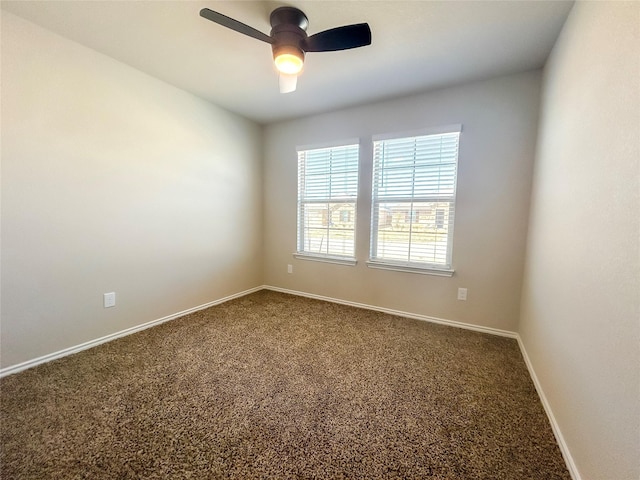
<point>114,181</point>
<point>499,119</point>
<point>580,305</point>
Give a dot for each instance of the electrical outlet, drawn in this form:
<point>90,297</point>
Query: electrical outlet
<point>462,294</point>
<point>289,268</point>
<point>110,299</point>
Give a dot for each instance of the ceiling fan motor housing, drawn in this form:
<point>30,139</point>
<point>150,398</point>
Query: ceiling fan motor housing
<point>290,16</point>
<point>288,31</point>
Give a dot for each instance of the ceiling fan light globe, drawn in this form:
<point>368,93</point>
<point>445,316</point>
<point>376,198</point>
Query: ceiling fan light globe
<point>289,63</point>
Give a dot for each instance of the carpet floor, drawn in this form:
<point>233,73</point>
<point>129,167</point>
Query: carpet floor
<point>276,386</point>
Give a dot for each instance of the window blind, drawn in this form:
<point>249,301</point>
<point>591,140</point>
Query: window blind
<point>327,193</point>
<point>413,201</point>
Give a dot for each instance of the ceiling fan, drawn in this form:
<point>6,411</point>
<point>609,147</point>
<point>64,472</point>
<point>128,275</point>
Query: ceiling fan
<point>289,40</point>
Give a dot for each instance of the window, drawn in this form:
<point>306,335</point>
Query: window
<point>439,218</point>
<point>414,179</point>
<point>327,192</point>
<point>345,216</point>
<point>411,216</point>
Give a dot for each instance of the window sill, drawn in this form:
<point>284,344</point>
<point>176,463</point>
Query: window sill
<point>409,269</point>
<point>326,259</point>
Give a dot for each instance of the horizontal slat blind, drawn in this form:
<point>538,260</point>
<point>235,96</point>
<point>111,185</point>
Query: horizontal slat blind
<point>414,187</point>
<point>327,193</point>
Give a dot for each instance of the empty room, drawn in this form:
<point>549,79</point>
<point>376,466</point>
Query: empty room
<point>320,240</point>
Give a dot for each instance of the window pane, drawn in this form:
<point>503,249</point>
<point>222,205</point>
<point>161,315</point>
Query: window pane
<point>343,215</point>
<point>341,242</point>
<point>393,244</point>
<point>315,240</point>
<point>315,215</point>
<point>417,232</point>
<point>324,232</point>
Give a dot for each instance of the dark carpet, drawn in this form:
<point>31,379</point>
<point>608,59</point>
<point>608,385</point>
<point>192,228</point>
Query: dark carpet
<point>277,386</point>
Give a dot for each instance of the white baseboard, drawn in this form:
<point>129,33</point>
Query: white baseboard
<point>564,449</point>
<point>400,313</point>
<point>122,333</point>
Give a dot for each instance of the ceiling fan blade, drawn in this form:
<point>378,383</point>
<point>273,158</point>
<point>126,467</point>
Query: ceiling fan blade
<point>288,83</point>
<point>234,25</point>
<point>339,38</point>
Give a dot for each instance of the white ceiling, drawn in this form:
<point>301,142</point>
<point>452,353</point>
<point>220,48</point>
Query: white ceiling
<point>416,46</point>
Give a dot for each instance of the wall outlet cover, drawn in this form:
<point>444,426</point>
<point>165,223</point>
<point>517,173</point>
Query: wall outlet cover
<point>109,299</point>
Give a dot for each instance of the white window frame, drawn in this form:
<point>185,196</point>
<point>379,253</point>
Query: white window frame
<point>303,200</point>
<point>375,261</point>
